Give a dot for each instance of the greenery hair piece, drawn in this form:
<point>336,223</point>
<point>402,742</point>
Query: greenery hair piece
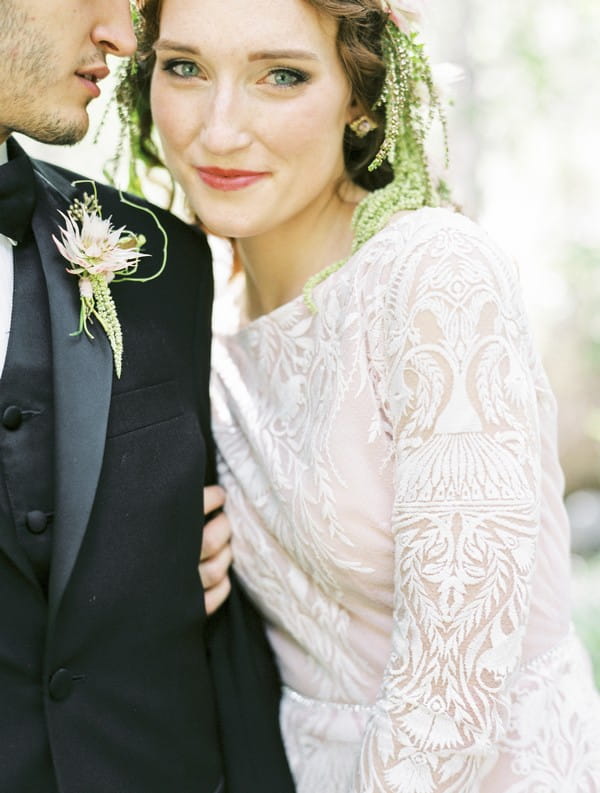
<point>411,104</point>
<point>136,146</point>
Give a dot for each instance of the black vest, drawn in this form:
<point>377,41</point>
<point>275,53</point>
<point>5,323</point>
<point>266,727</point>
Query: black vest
<point>27,415</point>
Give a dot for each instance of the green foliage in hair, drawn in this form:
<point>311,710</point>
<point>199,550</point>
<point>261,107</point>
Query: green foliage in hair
<point>411,104</point>
<point>128,144</point>
<point>131,98</point>
<point>136,17</point>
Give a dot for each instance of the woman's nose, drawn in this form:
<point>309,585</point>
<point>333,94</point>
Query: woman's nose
<point>225,127</point>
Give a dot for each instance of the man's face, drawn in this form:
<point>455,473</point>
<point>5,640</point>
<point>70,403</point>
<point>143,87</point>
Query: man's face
<point>52,55</point>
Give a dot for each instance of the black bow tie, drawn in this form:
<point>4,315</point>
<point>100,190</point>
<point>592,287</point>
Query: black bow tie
<point>17,196</point>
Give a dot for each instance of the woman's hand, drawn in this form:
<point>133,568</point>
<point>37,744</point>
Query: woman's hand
<point>215,555</point>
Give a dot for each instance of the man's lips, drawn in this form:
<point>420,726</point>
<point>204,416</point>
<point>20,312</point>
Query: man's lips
<point>91,75</point>
<point>228,178</point>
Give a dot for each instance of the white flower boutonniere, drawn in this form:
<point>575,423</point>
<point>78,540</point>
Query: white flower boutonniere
<point>101,254</point>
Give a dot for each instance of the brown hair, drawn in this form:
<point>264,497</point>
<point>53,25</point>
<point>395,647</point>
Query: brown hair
<point>360,27</point>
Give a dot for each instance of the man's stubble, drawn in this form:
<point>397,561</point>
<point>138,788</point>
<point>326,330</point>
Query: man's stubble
<point>28,62</point>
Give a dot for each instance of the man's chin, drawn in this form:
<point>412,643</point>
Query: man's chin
<point>57,132</point>
<point>66,137</point>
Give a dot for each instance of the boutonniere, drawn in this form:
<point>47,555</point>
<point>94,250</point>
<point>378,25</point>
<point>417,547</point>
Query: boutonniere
<point>99,255</point>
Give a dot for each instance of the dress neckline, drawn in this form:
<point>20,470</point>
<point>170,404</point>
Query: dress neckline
<point>292,305</point>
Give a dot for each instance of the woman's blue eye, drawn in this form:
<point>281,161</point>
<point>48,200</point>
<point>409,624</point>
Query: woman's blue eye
<point>287,77</point>
<point>182,68</point>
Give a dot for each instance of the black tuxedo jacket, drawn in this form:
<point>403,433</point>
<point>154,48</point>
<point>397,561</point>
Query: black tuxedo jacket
<point>115,682</point>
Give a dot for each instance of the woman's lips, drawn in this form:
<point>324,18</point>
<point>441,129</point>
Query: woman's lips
<point>228,179</point>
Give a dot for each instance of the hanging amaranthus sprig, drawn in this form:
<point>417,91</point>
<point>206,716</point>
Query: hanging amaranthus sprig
<point>125,100</point>
<point>101,254</point>
<point>411,104</point>
<point>101,305</point>
<point>396,91</point>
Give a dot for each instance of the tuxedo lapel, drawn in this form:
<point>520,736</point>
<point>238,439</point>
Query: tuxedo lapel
<point>82,389</point>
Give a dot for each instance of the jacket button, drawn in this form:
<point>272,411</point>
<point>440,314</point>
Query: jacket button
<point>60,685</point>
<point>36,521</point>
<point>12,417</point>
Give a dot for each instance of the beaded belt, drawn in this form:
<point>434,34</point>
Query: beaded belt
<point>309,702</point>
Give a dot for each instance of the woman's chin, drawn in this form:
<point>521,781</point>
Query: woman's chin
<point>229,228</point>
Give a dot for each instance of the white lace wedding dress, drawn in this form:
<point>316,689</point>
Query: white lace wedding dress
<point>395,494</point>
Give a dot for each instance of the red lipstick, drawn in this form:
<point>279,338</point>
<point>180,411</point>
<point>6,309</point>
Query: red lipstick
<point>227,179</point>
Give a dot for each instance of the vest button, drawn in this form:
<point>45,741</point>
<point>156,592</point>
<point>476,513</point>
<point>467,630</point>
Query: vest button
<point>36,521</point>
<point>12,417</point>
<point>60,685</point>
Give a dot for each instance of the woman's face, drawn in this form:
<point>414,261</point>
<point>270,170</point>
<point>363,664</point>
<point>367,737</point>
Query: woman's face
<point>250,100</point>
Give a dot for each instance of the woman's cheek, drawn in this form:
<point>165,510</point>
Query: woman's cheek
<point>166,110</point>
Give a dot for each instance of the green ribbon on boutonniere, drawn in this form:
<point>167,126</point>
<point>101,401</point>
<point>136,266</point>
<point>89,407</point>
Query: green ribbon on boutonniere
<point>100,254</point>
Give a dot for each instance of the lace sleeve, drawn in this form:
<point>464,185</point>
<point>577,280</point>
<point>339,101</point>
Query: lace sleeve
<point>461,406</point>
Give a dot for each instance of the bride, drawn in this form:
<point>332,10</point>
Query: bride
<point>386,430</point>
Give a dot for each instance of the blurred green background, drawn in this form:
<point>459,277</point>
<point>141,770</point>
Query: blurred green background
<point>525,140</point>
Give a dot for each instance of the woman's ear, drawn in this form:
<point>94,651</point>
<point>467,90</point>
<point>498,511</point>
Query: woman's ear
<point>355,109</point>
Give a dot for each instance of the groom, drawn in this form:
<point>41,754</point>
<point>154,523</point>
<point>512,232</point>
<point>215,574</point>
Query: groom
<point>106,681</point>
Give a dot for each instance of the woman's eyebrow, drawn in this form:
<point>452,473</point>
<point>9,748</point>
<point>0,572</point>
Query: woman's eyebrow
<point>273,55</point>
<point>262,55</point>
<point>169,44</point>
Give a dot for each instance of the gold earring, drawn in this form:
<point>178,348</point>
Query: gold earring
<point>362,125</point>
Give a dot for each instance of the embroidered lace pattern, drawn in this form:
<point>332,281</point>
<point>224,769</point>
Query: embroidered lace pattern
<point>394,490</point>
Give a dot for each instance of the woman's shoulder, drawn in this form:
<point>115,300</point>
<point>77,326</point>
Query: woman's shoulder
<point>418,226</point>
<point>433,253</point>
<point>417,240</point>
